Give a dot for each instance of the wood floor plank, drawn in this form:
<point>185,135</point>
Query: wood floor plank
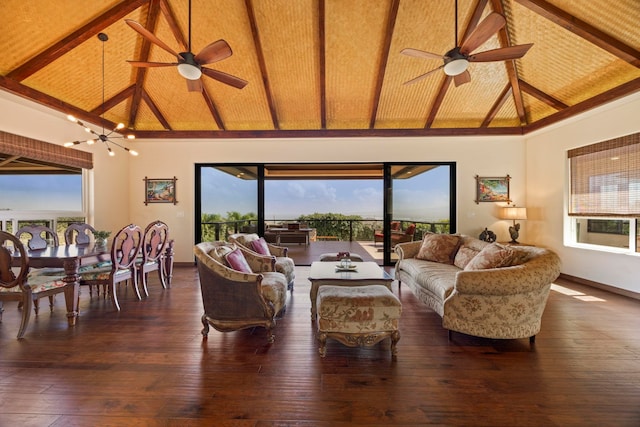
<point>149,366</point>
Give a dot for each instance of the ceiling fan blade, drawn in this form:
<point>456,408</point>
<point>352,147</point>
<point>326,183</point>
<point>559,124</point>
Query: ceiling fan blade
<point>462,78</point>
<point>214,52</point>
<point>420,54</point>
<point>149,36</point>
<point>151,64</point>
<point>501,54</point>
<point>194,85</point>
<point>482,32</point>
<point>225,78</point>
<point>420,77</point>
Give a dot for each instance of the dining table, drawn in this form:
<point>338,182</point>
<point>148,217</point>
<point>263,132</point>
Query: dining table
<point>71,258</point>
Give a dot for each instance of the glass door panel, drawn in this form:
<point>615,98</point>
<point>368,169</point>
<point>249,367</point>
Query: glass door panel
<point>422,200</point>
<point>227,201</point>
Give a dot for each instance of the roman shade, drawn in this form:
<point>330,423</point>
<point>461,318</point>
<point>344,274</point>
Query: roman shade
<point>44,152</point>
<point>605,178</point>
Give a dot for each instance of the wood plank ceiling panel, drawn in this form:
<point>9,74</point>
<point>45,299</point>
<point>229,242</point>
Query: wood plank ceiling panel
<point>289,39</point>
<point>353,54</point>
<point>420,24</point>
<point>467,105</point>
<point>77,75</point>
<point>28,27</point>
<point>240,109</point>
<point>546,67</point>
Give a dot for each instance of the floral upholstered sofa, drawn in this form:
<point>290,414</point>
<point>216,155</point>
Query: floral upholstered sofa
<point>478,288</point>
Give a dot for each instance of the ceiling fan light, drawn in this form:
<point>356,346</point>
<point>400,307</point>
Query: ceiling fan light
<point>91,141</point>
<point>189,72</point>
<point>456,67</point>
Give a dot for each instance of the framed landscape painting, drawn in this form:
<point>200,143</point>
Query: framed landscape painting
<point>492,189</point>
<point>160,190</point>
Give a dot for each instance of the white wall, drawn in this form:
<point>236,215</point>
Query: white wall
<point>536,164</point>
<point>486,156</point>
<point>546,164</point>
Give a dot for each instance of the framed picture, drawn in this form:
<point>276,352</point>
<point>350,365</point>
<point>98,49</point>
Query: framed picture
<point>160,190</point>
<point>492,189</point>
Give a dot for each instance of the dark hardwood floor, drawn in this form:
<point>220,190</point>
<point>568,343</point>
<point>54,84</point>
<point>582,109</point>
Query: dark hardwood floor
<point>148,366</point>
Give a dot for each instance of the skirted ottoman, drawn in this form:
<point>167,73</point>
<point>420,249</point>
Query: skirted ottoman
<point>357,316</point>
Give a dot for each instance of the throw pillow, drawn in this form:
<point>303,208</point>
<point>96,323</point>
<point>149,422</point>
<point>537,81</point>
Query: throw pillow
<point>463,256</point>
<point>237,261</point>
<point>260,246</point>
<point>494,255</point>
<point>439,248</point>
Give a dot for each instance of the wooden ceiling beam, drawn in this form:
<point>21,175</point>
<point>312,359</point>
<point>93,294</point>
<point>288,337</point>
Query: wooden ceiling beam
<point>41,98</point>
<point>326,133</point>
<point>261,62</point>
<point>512,72</point>
<point>584,30</point>
<point>141,72</point>
<point>506,92</point>
<point>155,110</point>
<point>618,92</point>
<point>322,63</point>
<point>391,23</point>
<point>446,82</point>
<point>114,100</point>
<point>74,39</point>
<point>168,14</point>
<point>542,96</point>
<point>212,108</point>
<point>475,18</point>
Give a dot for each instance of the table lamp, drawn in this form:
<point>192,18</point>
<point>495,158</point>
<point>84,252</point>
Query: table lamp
<point>514,213</point>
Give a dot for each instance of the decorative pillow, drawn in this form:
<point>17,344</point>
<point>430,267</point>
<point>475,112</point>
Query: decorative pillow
<point>463,256</point>
<point>439,248</point>
<point>494,255</point>
<point>260,246</point>
<point>237,261</point>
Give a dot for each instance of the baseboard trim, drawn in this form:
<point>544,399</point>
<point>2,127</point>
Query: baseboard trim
<point>608,288</point>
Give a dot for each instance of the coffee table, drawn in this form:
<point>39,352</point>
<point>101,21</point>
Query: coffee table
<point>324,273</point>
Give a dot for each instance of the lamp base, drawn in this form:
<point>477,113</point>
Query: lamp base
<point>514,231</point>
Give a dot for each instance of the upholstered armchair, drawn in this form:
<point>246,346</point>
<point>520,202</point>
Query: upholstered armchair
<point>284,264</point>
<point>235,299</point>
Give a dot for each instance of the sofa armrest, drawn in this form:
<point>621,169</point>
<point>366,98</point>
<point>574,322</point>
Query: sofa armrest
<point>259,263</point>
<point>538,272</point>
<point>408,249</point>
<point>279,251</point>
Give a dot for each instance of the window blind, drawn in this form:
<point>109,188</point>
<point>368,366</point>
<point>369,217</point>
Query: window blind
<point>17,145</point>
<point>605,178</point>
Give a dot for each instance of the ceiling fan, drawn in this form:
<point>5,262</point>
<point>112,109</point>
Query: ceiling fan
<point>191,66</point>
<point>456,61</point>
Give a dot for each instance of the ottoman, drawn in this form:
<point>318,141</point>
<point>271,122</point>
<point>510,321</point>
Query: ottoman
<point>334,257</point>
<point>357,316</point>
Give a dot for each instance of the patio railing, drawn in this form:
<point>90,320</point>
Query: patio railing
<point>335,229</point>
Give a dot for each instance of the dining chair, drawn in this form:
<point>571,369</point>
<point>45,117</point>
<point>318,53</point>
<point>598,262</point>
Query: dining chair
<point>155,240</point>
<point>78,233</point>
<point>125,249</point>
<point>17,284</point>
<point>39,238</point>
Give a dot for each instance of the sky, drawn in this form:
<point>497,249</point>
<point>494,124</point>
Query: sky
<point>41,192</point>
<point>425,197</point>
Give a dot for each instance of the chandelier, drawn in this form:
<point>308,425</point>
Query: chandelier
<point>106,138</point>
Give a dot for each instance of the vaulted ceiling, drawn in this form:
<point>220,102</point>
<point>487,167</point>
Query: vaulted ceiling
<point>319,67</point>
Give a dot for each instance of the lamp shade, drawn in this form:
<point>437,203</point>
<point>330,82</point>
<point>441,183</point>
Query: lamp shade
<point>514,213</point>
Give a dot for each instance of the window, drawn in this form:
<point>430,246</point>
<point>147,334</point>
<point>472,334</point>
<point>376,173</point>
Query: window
<point>604,198</point>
